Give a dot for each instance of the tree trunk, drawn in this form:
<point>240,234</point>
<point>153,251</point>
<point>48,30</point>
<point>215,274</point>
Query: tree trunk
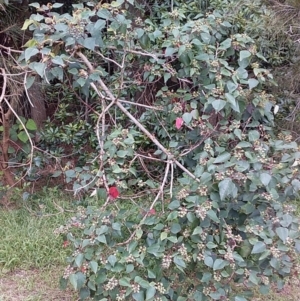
<point>38,108</point>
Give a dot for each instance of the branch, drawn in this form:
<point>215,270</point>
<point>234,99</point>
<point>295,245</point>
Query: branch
<point>115,101</point>
<point>140,105</point>
<point>3,85</point>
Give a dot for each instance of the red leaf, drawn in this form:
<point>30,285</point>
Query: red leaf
<point>113,192</point>
<point>178,123</point>
<point>65,243</point>
<point>152,212</point>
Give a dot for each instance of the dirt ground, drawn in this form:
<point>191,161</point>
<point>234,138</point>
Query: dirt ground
<point>33,285</point>
<point>37,285</point>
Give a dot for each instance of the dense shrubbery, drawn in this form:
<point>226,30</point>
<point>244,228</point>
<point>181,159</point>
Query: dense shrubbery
<point>179,106</point>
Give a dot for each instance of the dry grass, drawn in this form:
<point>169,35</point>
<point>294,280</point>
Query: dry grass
<point>289,293</point>
<point>33,285</point>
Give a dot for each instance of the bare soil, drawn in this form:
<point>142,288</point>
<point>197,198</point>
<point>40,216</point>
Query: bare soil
<point>33,285</point>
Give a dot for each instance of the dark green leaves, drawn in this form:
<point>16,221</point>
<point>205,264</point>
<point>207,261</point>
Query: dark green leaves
<point>219,264</point>
<point>227,188</point>
<point>283,233</point>
<point>259,247</point>
<point>221,177</point>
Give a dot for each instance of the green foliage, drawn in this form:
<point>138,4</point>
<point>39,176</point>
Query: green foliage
<point>184,91</point>
<point>194,250</point>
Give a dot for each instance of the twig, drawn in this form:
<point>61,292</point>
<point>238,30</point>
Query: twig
<point>3,85</point>
<point>10,49</point>
<point>172,179</point>
<point>140,105</point>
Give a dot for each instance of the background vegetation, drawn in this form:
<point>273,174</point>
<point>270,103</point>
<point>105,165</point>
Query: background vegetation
<point>168,107</point>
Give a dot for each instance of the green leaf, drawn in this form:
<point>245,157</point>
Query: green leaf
<point>170,51</point>
<point>231,86</point>
<point>175,228</point>
<point>27,23</point>
<point>129,268</point>
<point>197,230</point>
<point>253,135</point>
<point>23,136</point>
<point>122,153</point>
<point>222,158</point>
<point>138,296</point>
<point>187,117</point>
<point>253,278</point>
<point>151,274</point>
<point>208,261</point>
<point>29,81</point>
<point>205,37</point>
<point>100,24</point>
<point>84,292</point>
<point>264,255</point>
<point>219,264</point>
<point>167,76</point>
<point>94,266</point>
<point>218,104</point>
<point>39,68</point>
<point>57,5</point>
<point>195,113</point>
<point>286,220</point>
<point>70,173</point>
<point>239,298</point>
<point>125,281</point>
<point>112,259</point>
<point>117,169</point>
<point>176,32</point>
<point>102,238</point>
<point>264,289</point>
<point>117,3</point>
<point>259,247</point>
<point>213,216</point>
<point>225,44</point>
<point>63,283</point>
<point>233,103</point>
<point>174,205</point>
<point>227,188</point>
<point>173,215</point>
<point>181,50</point>
<point>248,208</point>
<point>150,292</point>
<point>58,61</point>
<point>89,43</point>
<point>163,235</point>
<point>143,283</point>
<point>265,178</point>
<point>29,52</point>
<point>31,125</point>
<point>244,54</point>
<point>173,239</point>
<point>252,82</point>
<point>238,133</point>
<point>79,259</point>
<point>211,245</point>
<point>179,261</point>
<point>35,5</point>
<point>73,280</point>
<point>283,233</point>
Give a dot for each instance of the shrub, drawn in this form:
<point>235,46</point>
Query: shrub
<point>183,110</point>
